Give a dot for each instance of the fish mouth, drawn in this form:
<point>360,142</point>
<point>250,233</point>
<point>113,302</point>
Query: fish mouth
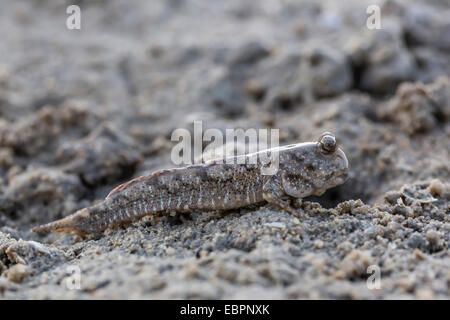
<point>342,177</point>
<point>342,171</point>
<point>340,154</point>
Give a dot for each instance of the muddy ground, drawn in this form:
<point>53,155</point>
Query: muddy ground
<point>82,111</point>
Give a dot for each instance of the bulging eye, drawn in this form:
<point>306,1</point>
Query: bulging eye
<point>327,142</point>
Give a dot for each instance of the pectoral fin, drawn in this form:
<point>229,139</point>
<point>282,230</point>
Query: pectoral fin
<point>292,188</point>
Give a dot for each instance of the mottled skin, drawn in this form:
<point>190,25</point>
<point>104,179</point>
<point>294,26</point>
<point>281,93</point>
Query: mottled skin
<point>304,169</point>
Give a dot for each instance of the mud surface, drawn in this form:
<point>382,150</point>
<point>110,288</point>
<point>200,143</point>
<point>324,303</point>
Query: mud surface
<point>83,111</point>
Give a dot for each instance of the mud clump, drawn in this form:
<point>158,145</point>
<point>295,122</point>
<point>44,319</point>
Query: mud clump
<point>419,108</point>
<point>103,157</point>
<point>40,131</point>
<point>331,72</point>
<point>381,60</point>
<point>43,194</point>
<point>21,259</point>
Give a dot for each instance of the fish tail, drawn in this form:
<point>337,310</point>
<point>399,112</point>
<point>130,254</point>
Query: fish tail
<point>65,225</point>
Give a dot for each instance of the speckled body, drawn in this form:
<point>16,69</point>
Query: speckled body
<point>303,169</point>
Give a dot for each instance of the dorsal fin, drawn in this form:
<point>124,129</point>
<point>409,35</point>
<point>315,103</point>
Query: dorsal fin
<point>135,180</point>
<point>126,184</point>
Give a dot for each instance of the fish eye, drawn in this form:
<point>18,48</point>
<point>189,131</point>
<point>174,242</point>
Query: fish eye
<point>327,142</point>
